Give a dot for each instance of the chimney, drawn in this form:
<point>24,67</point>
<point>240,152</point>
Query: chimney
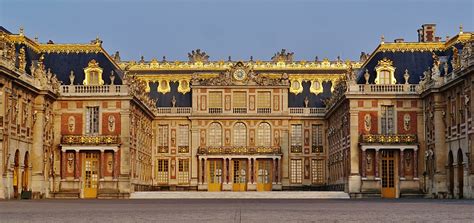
<point>399,40</point>
<point>427,33</point>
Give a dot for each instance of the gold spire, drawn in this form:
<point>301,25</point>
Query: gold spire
<point>460,29</point>
<point>382,39</point>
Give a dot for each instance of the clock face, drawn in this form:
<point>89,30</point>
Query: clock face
<point>239,74</point>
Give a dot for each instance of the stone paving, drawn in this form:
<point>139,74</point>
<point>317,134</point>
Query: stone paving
<point>241,195</point>
<point>233,210</point>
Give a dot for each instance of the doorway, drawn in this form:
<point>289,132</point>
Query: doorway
<point>215,174</point>
<point>240,175</point>
<point>389,174</point>
<point>90,174</point>
<point>264,174</point>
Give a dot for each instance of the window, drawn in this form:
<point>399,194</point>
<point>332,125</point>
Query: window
<point>384,77</point>
<point>264,102</point>
<point>240,134</point>
<point>162,173</point>
<point>215,135</point>
<point>240,102</point>
<point>183,171</point>
<point>264,138</point>
<point>215,102</point>
<point>387,119</point>
<point>317,170</point>
<point>296,138</point>
<point>162,138</point>
<point>92,120</point>
<point>296,168</point>
<point>183,139</point>
<point>317,138</point>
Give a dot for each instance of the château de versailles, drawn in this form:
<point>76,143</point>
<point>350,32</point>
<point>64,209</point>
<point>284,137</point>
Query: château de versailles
<point>77,122</point>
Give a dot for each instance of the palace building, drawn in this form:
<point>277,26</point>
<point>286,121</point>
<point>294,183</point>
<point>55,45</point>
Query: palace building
<point>77,122</point>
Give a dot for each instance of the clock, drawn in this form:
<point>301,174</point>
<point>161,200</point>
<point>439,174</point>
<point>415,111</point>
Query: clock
<point>240,74</point>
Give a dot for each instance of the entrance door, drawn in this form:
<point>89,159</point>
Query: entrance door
<point>240,175</point>
<point>388,174</point>
<point>90,174</point>
<point>215,175</point>
<point>264,174</point>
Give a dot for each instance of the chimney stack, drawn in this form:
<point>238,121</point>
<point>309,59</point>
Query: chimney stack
<point>399,40</point>
<point>427,33</point>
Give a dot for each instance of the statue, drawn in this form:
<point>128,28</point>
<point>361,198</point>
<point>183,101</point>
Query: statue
<point>112,77</point>
<point>366,76</point>
<point>306,101</point>
<point>173,101</point>
<point>22,59</point>
<point>455,59</point>
<point>406,122</point>
<point>71,78</point>
<point>406,76</point>
<point>283,56</point>
<point>367,122</point>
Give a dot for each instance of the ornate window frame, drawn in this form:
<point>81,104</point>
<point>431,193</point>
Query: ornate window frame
<point>93,66</point>
<point>385,65</point>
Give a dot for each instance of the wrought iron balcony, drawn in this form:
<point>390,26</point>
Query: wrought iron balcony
<point>89,140</point>
<point>239,150</point>
<point>389,139</point>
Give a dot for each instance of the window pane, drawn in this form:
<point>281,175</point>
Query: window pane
<point>240,134</point>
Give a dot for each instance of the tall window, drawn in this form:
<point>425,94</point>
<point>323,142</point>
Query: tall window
<point>183,138</point>
<point>264,102</point>
<point>240,134</point>
<point>240,102</point>
<point>215,135</point>
<point>384,77</point>
<point>296,138</point>
<point>163,138</point>
<point>215,102</point>
<point>162,171</point>
<point>183,171</point>
<point>317,171</point>
<point>296,170</point>
<point>317,138</point>
<point>92,120</point>
<point>264,138</point>
<point>387,119</point>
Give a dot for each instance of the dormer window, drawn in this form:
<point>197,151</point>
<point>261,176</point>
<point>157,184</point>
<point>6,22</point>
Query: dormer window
<point>93,74</point>
<point>385,72</point>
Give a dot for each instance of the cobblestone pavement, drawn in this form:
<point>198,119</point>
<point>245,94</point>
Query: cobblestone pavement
<point>227,210</point>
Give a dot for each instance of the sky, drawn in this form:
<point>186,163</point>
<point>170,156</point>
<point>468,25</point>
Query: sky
<point>239,29</point>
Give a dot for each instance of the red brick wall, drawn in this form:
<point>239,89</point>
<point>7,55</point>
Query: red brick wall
<point>65,124</point>
<point>400,122</point>
<point>374,120</point>
<point>105,123</point>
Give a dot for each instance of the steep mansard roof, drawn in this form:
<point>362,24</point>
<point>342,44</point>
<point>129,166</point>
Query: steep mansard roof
<point>416,57</point>
<point>61,59</point>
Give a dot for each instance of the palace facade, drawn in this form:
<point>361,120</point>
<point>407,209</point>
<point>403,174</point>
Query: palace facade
<point>77,122</point>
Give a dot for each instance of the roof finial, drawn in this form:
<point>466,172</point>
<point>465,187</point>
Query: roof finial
<point>382,39</point>
<point>164,58</point>
<point>460,29</point>
<point>229,59</point>
<point>251,58</point>
<point>36,38</point>
<point>22,31</point>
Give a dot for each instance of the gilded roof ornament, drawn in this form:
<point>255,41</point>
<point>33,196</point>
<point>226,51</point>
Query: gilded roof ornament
<point>198,56</point>
<point>283,56</point>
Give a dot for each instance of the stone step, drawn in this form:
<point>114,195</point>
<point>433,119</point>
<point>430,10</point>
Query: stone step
<point>240,195</point>
<point>65,195</point>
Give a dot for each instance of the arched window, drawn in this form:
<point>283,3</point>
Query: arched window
<point>215,135</point>
<point>264,135</point>
<point>385,72</point>
<point>240,134</point>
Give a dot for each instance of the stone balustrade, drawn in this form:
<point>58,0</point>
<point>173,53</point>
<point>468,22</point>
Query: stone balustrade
<point>99,90</point>
<point>244,150</point>
<point>384,88</point>
<point>300,111</point>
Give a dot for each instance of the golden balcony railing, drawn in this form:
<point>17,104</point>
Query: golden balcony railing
<point>183,149</point>
<point>90,140</point>
<point>239,150</point>
<point>389,139</point>
<point>163,149</point>
<point>296,149</point>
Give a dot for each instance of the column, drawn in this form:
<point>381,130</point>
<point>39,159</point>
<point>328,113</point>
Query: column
<point>102,165</point>
<point>249,171</point>
<point>274,171</point>
<point>364,163</point>
<point>376,169</point>
<point>63,164</point>
<point>402,164</point>
<point>77,163</point>
<point>199,170</point>
<point>116,163</point>
<point>415,163</point>
<point>224,170</point>
<point>204,171</point>
<point>37,152</point>
<point>280,176</point>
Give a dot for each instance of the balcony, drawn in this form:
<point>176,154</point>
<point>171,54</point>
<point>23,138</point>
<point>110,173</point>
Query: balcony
<point>383,88</point>
<point>173,111</point>
<point>163,149</point>
<point>307,111</point>
<point>183,149</point>
<point>389,139</point>
<point>89,140</point>
<point>317,149</point>
<point>296,149</point>
<point>96,90</point>
<point>239,151</point>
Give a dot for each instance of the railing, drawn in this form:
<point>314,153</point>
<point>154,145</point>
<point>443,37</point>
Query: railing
<point>307,111</point>
<point>239,150</point>
<point>317,149</point>
<point>384,88</point>
<point>174,110</point>
<point>89,140</point>
<point>183,149</point>
<point>215,110</point>
<point>296,149</point>
<point>389,139</point>
<point>73,90</point>
<point>264,110</point>
<point>163,149</point>
<point>239,110</point>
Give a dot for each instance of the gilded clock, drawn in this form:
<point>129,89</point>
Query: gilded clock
<point>239,74</point>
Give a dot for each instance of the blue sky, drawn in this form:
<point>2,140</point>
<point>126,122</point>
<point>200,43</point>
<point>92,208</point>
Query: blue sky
<point>240,29</point>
